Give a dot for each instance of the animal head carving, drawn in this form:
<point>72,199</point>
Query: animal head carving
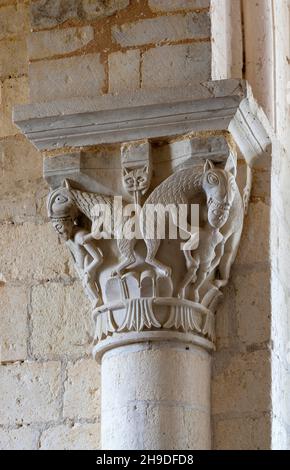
<point>137,179</point>
<point>62,210</point>
<point>219,186</point>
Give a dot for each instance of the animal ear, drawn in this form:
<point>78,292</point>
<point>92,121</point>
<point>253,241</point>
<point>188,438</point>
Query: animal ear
<point>65,184</point>
<point>231,165</point>
<point>208,166</point>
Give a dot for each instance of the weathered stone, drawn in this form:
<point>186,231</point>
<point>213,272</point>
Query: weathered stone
<point>13,320</point>
<point>13,91</point>
<point>22,438</point>
<point>164,28</point>
<point>255,241</point>
<point>24,253</point>
<point>74,437</point>
<point>124,71</point>
<point>30,393</point>
<point>253,306</point>
<point>13,20</point>
<point>61,321</point>
<point>15,48</point>
<point>180,65</point>
<point>241,383</point>
<point>82,390</point>
<point>244,433</point>
<point>51,43</point>
<point>170,5</point>
<point>46,13</point>
<point>66,78</point>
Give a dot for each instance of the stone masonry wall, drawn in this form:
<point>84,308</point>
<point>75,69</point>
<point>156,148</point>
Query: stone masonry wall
<point>49,383</point>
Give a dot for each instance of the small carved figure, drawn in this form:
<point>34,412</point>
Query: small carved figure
<point>86,255</point>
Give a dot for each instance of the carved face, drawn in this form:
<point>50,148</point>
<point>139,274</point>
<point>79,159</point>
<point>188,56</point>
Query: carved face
<point>219,186</point>
<point>64,227</point>
<point>137,179</point>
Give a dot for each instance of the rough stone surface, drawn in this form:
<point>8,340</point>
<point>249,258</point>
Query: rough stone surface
<point>13,91</point>
<point>30,393</point>
<point>241,383</point>
<point>51,43</point>
<point>61,323</point>
<point>82,390</point>
<point>46,13</point>
<point>169,66</point>
<point>13,320</point>
<point>15,48</point>
<point>165,28</point>
<point>23,438</point>
<point>74,437</point>
<point>243,433</point>
<point>24,253</point>
<point>65,78</point>
<point>13,20</point>
<point>124,71</point>
<point>171,5</point>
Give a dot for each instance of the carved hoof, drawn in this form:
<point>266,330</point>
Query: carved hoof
<point>181,294</point>
<point>196,297</point>
<point>167,272</point>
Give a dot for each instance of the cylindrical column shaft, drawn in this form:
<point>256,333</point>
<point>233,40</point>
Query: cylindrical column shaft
<point>156,396</point>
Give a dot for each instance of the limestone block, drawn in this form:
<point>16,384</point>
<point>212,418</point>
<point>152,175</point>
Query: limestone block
<point>13,320</point>
<point>25,254</point>
<point>82,390</point>
<point>21,164</point>
<point>244,433</point>
<point>179,65</point>
<point>61,321</point>
<point>255,241</point>
<point>253,306</point>
<point>30,393</point>
<point>242,383</point>
<point>45,44</point>
<point>45,13</point>
<point>171,5</point>
<point>13,91</point>
<point>15,48</point>
<point>65,78</point>
<point>23,438</point>
<point>124,71</point>
<point>164,28</point>
<point>13,20</point>
<point>74,437</point>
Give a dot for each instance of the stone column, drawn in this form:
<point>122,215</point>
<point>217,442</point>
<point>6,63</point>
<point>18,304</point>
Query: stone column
<point>154,299</point>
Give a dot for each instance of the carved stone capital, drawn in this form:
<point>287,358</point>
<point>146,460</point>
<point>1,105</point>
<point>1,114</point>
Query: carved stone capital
<point>177,150</point>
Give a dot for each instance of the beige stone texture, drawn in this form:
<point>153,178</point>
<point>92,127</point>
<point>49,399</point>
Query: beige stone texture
<point>13,20</point>
<point>30,393</point>
<point>242,383</point>
<point>253,307</point>
<point>162,29</point>
<point>245,433</point>
<point>13,58</point>
<point>66,78</point>
<point>82,390</point>
<point>13,320</point>
<point>74,437</point>
<point>61,321</point>
<point>13,91</point>
<point>179,65</point>
<point>22,438</point>
<point>172,5</point>
<point>124,71</point>
<point>46,13</point>
<point>44,44</point>
<point>25,255</point>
